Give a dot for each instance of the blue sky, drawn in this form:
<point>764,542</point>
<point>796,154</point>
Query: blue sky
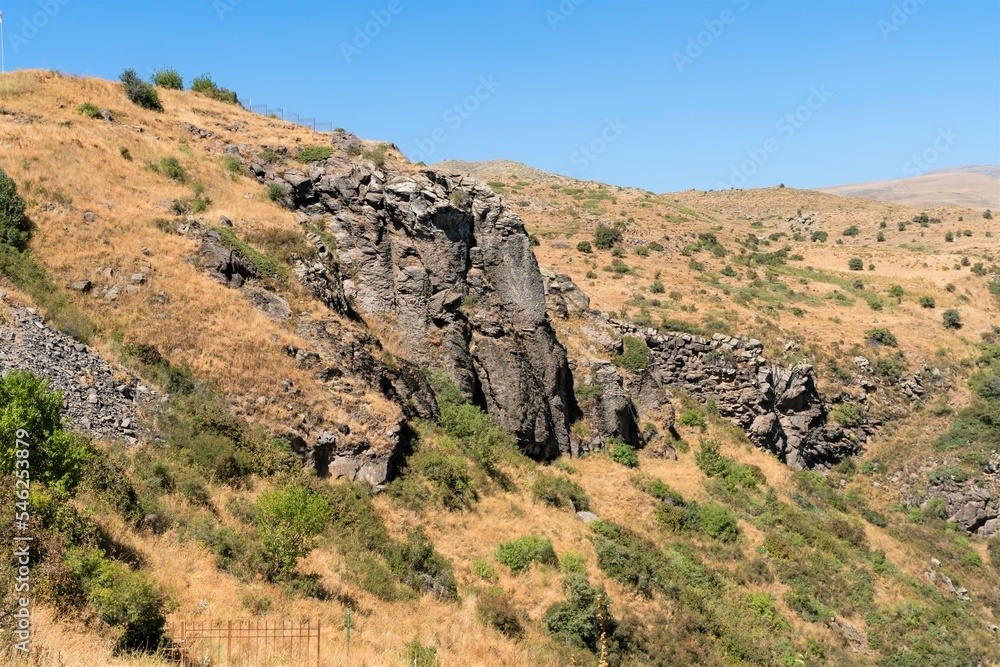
<point>665,95</point>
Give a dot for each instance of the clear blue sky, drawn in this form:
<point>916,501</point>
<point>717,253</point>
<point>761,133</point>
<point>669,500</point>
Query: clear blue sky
<point>887,81</point>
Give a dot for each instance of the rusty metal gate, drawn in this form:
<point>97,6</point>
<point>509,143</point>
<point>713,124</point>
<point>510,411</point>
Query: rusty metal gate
<point>246,644</point>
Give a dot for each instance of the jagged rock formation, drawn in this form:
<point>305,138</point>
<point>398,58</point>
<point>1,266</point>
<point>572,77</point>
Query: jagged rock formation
<point>971,501</point>
<point>97,399</point>
<point>436,262</point>
<point>778,407</point>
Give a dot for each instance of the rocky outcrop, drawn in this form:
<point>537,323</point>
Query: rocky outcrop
<point>779,407</point>
<point>972,501</point>
<point>225,265</point>
<point>97,399</point>
<point>436,263</point>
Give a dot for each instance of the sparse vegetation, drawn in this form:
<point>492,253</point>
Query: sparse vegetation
<point>139,92</point>
<point>168,77</point>
<point>204,85</point>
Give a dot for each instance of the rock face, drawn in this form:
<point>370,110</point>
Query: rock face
<point>779,407</point>
<point>971,501</point>
<point>96,399</point>
<point>437,262</point>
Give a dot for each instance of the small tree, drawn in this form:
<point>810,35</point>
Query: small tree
<point>140,92</point>
<point>288,520</point>
<point>584,247</point>
<point>856,264</point>
<point>896,291</point>
<point>605,237</point>
<point>15,228</point>
<point>952,319</point>
<point>949,237</point>
<point>988,214</point>
<point>927,302</point>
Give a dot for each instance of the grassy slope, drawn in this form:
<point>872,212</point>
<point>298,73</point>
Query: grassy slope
<point>207,330</point>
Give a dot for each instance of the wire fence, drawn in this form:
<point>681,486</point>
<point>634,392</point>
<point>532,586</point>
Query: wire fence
<point>281,114</point>
<point>246,644</point>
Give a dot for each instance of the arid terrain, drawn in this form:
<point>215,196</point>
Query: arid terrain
<point>769,437</point>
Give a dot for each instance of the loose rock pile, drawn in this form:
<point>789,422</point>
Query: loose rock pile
<point>97,399</point>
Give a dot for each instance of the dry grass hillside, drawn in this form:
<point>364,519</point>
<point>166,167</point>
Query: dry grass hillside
<point>721,557</point>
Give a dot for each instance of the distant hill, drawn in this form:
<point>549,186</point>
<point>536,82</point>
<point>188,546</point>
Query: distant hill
<point>976,186</point>
<point>493,170</point>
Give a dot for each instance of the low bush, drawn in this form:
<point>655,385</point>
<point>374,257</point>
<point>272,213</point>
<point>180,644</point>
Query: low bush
<point>952,319</point>
<point>376,155</point>
<point>314,153</point>
<point>734,475</point>
<point>883,336</point>
<point>584,246</point>
<point>560,491</point>
<point>127,601</point>
<point>30,412</point>
<point>168,77</point>
<point>606,237</point>
<point>519,554</point>
<point>584,620</point>
<point>172,169</point>
<point>635,355</point>
<point>622,453</point>
<point>139,92</point>
<point>927,302</point>
<point>847,415</point>
<point>691,418</point>
<point>207,87</point>
<point>495,609</point>
<point>856,264</point>
<point>89,110</point>
<point>15,228</point>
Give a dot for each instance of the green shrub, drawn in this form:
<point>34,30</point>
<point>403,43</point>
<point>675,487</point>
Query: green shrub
<point>892,367</point>
<point>206,86</point>
<point>606,237</point>
<point>288,520</point>
<point>573,561</point>
<point>376,155</point>
<point>622,453</point>
<point>417,563</point>
<point>584,246</point>
<point>139,92</point>
<point>692,418</point>
<point>233,166</point>
<point>584,620</point>
<point>15,228</point>
<point>125,153</point>
<point>125,600</point>
<point>433,475</point>
<point>31,413</point>
<point>89,110</point>
<point>896,292</point>
<point>846,415</point>
<point>560,491</point>
<point>172,169</point>
<point>993,548</point>
<point>168,77</point>
<point>418,655</point>
<point>717,521</point>
<point>635,355</point>
<point>852,231</point>
<point>656,488</point>
<point>856,264</point>
<point>494,608</point>
<point>927,302</point>
<point>952,319</point>
<point>519,554</point>
<point>483,569</point>
<point>875,302</point>
<point>819,237</point>
<point>266,265</point>
<point>882,336</point>
<point>657,287</point>
<point>277,193</point>
<point>314,153</point>
<point>734,475</point>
